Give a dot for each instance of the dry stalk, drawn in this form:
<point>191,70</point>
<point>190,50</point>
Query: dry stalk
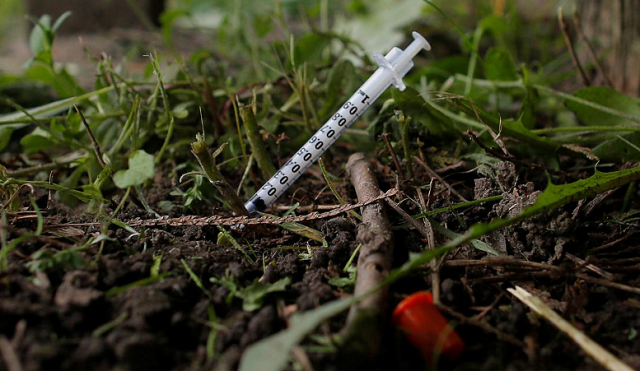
<point>94,142</point>
<point>207,163</point>
<point>593,349</point>
<point>574,57</point>
<point>255,141</point>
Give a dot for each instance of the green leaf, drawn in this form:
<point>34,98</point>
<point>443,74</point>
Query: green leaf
<point>495,23</point>
<point>309,48</point>
<point>272,353</point>
<point>60,21</point>
<point>5,136</point>
<point>412,104</point>
<point>303,230</point>
<point>480,245</point>
<point>554,197</point>
<point>340,83</point>
<point>253,295</point>
<point>606,97</point>
<point>624,148</point>
<point>514,129</point>
<point>140,169</point>
<point>498,66</point>
<point>167,19</point>
<point>38,40</point>
<point>140,283</point>
<point>37,140</point>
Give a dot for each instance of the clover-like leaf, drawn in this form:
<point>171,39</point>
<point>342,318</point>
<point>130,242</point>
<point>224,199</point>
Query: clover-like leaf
<point>140,169</point>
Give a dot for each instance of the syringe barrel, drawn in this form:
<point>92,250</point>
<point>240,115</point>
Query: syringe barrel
<point>375,85</point>
<point>392,68</point>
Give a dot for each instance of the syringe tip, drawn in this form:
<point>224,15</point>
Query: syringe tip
<point>423,41</point>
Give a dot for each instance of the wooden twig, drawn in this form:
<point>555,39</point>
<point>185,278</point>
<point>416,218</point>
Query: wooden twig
<point>607,283</point>
<point>574,57</point>
<point>592,53</point>
<point>585,264</point>
<point>608,245</point>
<point>601,355</point>
<point>435,175</point>
<point>392,152</point>
<point>557,271</point>
<point>94,142</point>
<point>362,331</point>
<point>9,355</point>
<point>431,243</point>
<point>483,325</point>
<point>501,261</point>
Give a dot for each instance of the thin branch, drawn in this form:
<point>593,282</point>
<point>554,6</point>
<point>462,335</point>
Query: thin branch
<point>362,331</point>
<point>9,355</point>
<point>394,157</point>
<point>431,243</point>
<point>574,57</point>
<point>592,53</point>
<point>435,175</point>
<point>94,142</point>
<point>483,325</point>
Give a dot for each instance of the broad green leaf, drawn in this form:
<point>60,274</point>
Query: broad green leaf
<point>340,84</point>
<point>38,40</point>
<point>606,97</point>
<point>554,197</point>
<point>253,295</point>
<point>262,24</point>
<point>517,130</point>
<point>445,67</point>
<point>272,353</point>
<point>495,23</point>
<point>514,129</point>
<point>51,108</point>
<point>624,148</point>
<point>37,140</point>
<point>309,48</point>
<point>498,66</point>
<point>140,169</point>
<point>5,136</point>
<point>168,19</point>
<point>413,105</point>
<point>60,21</point>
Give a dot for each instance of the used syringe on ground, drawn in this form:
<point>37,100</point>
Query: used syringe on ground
<point>392,69</point>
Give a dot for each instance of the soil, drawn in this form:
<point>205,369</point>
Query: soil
<point>69,320</point>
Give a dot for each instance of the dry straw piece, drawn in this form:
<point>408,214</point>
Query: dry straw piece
<point>601,355</point>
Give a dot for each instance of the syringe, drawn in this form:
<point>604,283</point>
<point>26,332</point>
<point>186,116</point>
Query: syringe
<point>392,69</point>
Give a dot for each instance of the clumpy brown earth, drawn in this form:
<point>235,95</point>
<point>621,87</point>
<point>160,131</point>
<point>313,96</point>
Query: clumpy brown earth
<point>129,302</point>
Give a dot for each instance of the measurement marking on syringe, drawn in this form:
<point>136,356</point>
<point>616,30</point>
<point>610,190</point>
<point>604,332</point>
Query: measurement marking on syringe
<point>393,67</point>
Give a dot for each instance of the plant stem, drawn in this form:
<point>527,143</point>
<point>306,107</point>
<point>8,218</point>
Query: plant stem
<point>405,121</point>
<point>255,141</point>
<point>207,163</point>
<point>167,109</point>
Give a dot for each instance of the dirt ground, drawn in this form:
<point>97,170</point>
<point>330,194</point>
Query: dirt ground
<point>73,320</point>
